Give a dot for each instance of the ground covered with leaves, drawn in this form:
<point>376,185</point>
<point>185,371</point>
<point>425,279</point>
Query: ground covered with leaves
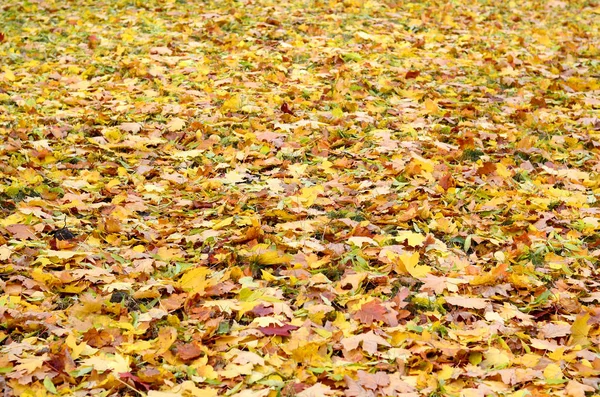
<point>299,198</point>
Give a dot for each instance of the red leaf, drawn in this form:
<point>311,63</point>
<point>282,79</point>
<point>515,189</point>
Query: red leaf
<point>447,181</point>
<point>538,102</point>
<point>273,21</point>
<point>371,312</point>
<point>188,351</point>
<point>412,74</point>
<point>262,310</point>
<point>136,380</point>
<point>286,109</point>
<point>98,339</point>
<point>93,41</point>
<point>62,361</point>
<point>486,169</point>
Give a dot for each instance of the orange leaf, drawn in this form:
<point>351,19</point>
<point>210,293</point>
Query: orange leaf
<point>370,312</point>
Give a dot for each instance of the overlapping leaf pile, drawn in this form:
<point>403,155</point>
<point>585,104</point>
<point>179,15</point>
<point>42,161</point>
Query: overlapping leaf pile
<point>311,198</point>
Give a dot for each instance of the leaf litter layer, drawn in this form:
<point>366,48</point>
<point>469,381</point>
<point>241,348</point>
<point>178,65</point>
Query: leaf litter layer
<point>299,198</point>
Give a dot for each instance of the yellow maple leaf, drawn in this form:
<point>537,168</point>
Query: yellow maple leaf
<point>116,363</point>
<point>135,347</point>
<point>167,254</point>
<point>408,262</point>
<point>544,40</point>
<point>445,225</point>
<point>45,278</point>
<point>265,255</point>
<point>309,194</point>
<point>413,239</point>
<point>128,35</point>
<point>30,364</point>
<point>204,370</point>
<point>314,262</point>
<point>187,154</point>
<point>234,103</point>
<point>223,223</point>
<point>234,370</point>
<point>30,176</point>
<point>194,280</point>
<point>446,372</point>
<point>297,170</point>
<point>502,171</point>
<point>337,113</point>
<point>65,254</point>
<point>112,135</point>
<point>496,358</point>
<point>166,337</point>
<point>9,75</point>
<point>580,330</point>
<point>431,107</point>
<point>553,373</point>
<point>176,124</point>
<point>234,177</point>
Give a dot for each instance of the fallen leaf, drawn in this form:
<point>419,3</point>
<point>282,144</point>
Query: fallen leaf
<point>116,363</point>
<point>175,124</point>
<point>576,389</point>
<point>283,330</point>
<point>470,303</point>
<point>188,351</point>
<point>130,127</point>
<point>580,330</point>
<point>233,103</point>
<point>369,341</point>
<point>21,232</point>
<point>409,263</point>
<point>317,390</point>
<point>413,239</point>
<point>5,253</point>
<point>31,364</point>
<point>370,312</point>
<point>285,108</point>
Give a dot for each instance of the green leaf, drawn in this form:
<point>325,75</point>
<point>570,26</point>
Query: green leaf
<point>49,385</point>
